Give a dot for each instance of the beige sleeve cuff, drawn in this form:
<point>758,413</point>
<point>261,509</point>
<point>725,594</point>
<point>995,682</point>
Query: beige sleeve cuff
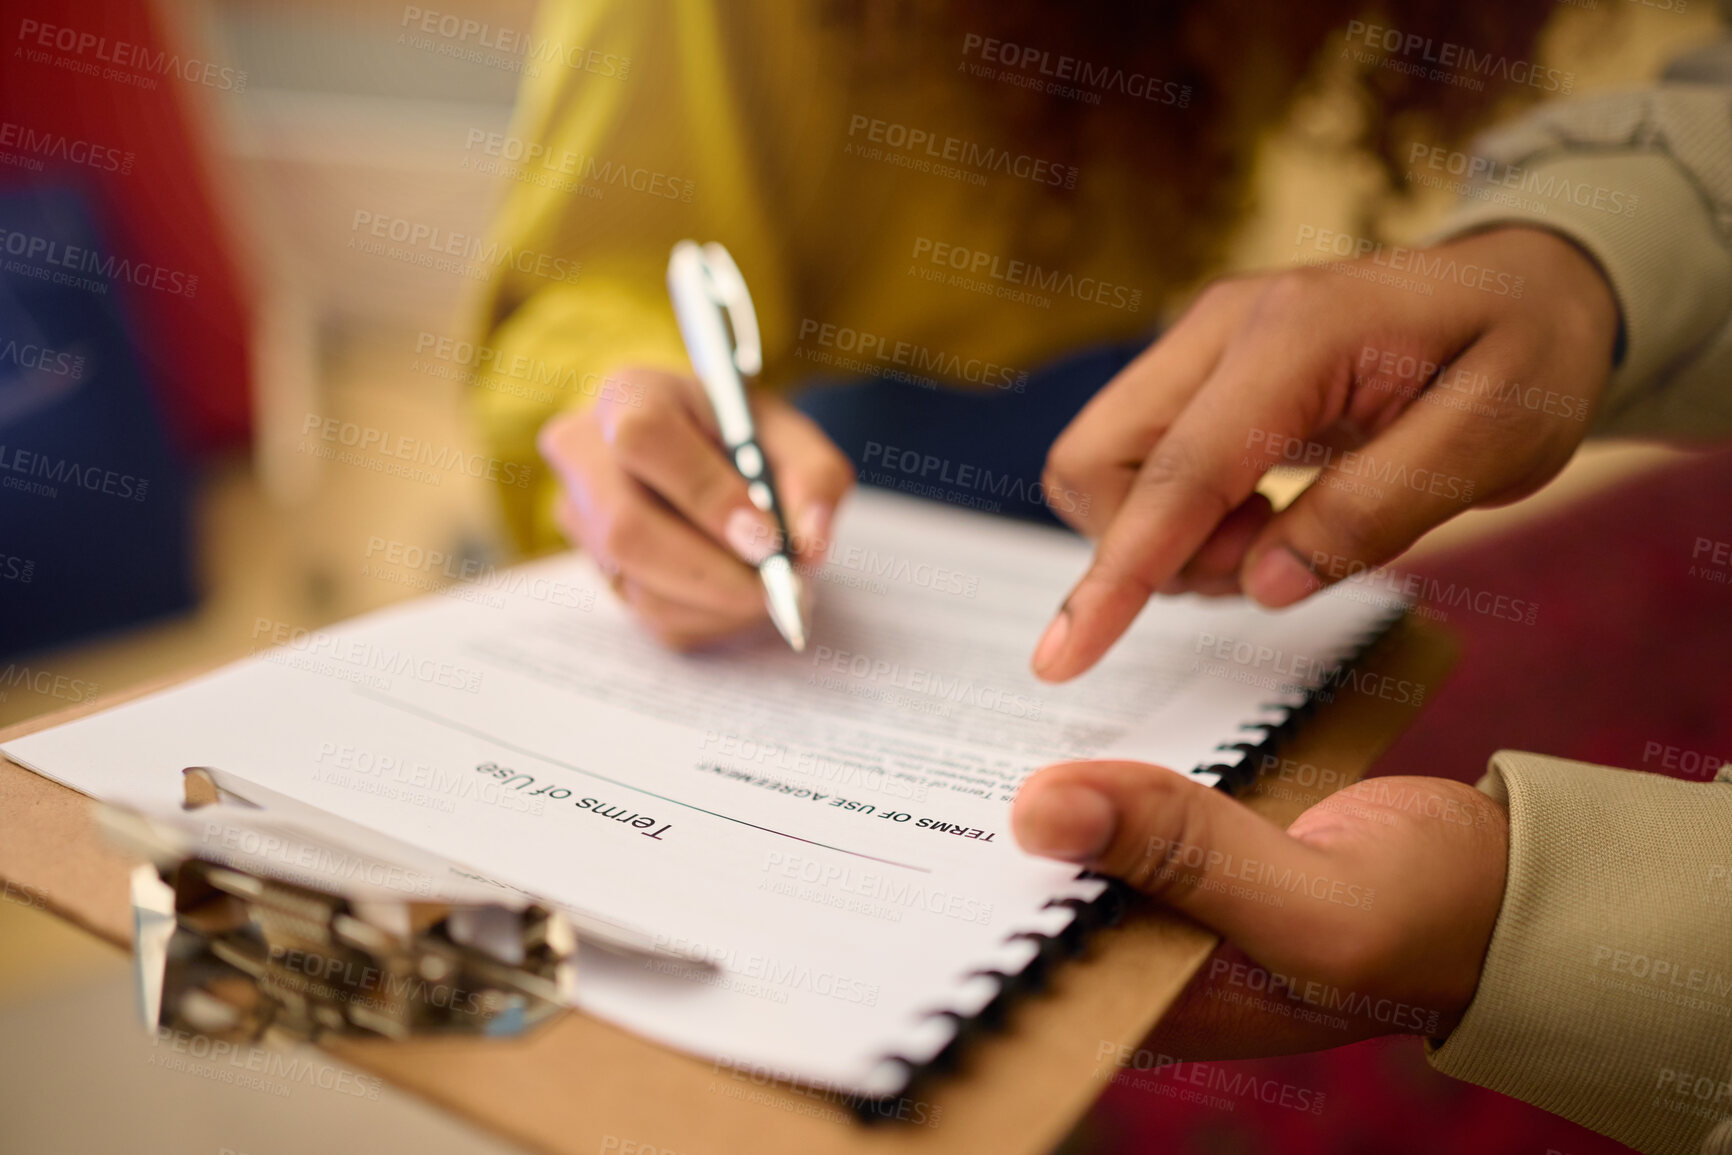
<point>1607,990</point>
<point>1640,215</point>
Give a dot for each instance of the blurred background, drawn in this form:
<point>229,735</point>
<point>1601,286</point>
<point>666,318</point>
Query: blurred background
<point>242,189</point>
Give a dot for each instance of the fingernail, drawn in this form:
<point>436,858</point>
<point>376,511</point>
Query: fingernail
<point>1074,823</point>
<point>1052,642</point>
<point>750,536</point>
<point>814,531</point>
<point>1279,578</point>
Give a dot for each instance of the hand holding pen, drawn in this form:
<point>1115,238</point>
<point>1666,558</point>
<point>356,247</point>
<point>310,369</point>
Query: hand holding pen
<point>650,491</point>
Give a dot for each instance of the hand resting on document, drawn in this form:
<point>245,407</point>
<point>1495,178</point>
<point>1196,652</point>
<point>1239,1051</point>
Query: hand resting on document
<point>1370,915</point>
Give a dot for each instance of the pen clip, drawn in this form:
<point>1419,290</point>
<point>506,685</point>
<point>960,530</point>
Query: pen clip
<point>730,291</point>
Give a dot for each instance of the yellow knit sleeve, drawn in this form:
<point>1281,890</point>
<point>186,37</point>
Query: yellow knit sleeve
<point>628,136</point>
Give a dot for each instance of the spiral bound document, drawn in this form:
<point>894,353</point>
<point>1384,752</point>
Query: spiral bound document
<point>828,832</point>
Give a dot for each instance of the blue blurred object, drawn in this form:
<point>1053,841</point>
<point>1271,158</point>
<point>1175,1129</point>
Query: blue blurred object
<point>984,448</point>
<point>95,531</point>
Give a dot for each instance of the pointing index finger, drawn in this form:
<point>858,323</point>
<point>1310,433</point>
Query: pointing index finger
<point>1277,385</point>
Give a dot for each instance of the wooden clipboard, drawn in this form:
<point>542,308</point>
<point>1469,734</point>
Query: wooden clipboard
<point>582,1085</point>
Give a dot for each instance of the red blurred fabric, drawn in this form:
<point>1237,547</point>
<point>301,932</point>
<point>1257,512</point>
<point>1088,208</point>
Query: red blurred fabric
<point>162,211</point>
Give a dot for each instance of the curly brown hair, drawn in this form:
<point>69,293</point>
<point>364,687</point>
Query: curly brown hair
<point>1241,64</point>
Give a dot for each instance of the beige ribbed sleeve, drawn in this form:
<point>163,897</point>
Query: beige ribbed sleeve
<point>1607,990</point>
<point>1643,182</point>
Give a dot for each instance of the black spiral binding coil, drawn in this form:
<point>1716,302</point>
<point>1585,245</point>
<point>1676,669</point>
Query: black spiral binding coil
<point>1234,778</point>
<point>1105,910</point>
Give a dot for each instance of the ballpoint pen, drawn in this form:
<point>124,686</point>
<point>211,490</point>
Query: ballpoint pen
<point>720,329</point>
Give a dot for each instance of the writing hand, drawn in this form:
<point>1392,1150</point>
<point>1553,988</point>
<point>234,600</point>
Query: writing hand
<point>650,494</point>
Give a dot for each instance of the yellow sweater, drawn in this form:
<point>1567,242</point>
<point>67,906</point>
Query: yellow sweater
<point>878,233</point>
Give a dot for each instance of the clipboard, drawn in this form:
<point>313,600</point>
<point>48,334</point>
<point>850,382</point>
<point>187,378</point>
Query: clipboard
<point>259,916</point>
<point>575,1082</point>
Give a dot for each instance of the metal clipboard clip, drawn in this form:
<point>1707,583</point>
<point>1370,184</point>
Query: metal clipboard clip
<point>261,917</point>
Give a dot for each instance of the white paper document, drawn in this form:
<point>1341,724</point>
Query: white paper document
<point>831,828</point>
